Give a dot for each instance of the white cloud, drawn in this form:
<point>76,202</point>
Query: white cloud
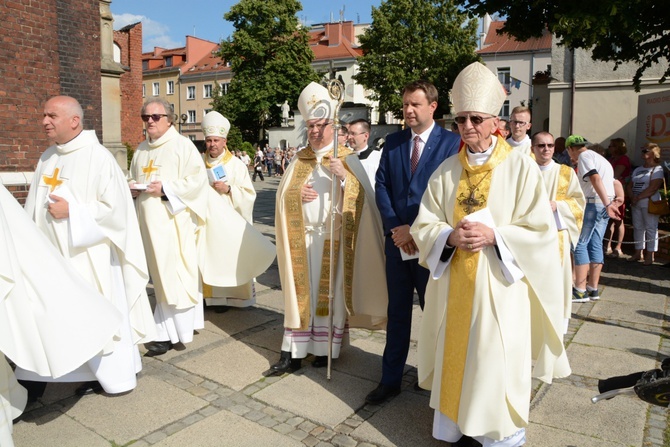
<point>154,34</point>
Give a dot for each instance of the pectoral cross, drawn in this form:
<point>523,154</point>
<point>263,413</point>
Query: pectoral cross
<point>470,202</point>
<point>149,169</point>
<point>52,181</point>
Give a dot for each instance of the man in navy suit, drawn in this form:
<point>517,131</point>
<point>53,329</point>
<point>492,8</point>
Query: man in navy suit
<point>408,160</point>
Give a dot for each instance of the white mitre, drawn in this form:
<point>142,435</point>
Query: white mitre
<point>215,125</point>
<point>315,103</point>
<point>477,89</point>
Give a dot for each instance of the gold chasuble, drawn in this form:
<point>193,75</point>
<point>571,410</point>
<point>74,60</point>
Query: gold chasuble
<point>472,193</point>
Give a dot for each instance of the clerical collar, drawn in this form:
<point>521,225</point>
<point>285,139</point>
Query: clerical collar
<point>513,143</point>
<point>547,166</point>
<point>425,134</point>
<point>85,138</point>
<point>167,136</point>
<point>364,153</point>
<point>479,158</point>
<point>323,151</point>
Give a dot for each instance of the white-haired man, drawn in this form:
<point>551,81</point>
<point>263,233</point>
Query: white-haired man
<point>303,222</point>
<point>486,232</point>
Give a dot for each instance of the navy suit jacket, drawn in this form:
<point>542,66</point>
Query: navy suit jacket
<point>398,193</point>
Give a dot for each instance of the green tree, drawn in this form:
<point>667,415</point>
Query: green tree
<point>617,31</point>
<point>415,39</point>
<point>234,140</point>
<point>270,56</point>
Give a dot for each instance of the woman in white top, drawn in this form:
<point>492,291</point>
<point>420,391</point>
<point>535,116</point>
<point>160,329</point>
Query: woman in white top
<point>644,185</point>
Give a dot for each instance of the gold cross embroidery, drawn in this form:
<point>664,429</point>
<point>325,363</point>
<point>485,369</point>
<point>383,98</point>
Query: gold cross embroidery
<point>52,181</point>
<point>149,169</point>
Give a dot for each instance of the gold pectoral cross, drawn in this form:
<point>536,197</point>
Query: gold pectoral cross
<point>470,202</point>
<point>148,170</point>
<point>53,182</point>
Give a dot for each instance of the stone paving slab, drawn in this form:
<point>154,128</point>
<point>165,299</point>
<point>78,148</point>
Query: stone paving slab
<point>153,404</point>
<point>597,362</point>
<point>310,395</point>
<point>234,320</point>
<point>569,408</point>
<point>538,435</point>
<point>614,311</point>
<point>270,337</point>
<point>55,429</point>
<point>234,364</point>
<point>406,420</point>
<point>201,339</point>
<point>228,429</point>
<point>616,337</point>
<point>642,300</point>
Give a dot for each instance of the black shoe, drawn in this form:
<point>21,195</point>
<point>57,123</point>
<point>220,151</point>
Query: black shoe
<point>89,388</point>
<point>467,441</point>
<point>35,389</point>
<point>159,347</point>
<point>381,393</point>
<point>286,364</point>
<point>417,387</point>
<point>221,309</point>
<point>320,361</point>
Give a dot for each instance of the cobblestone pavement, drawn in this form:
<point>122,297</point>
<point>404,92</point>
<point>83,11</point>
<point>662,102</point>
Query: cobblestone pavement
<point>214,392</point>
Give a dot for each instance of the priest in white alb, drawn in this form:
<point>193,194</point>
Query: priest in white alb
<point>51,320</point>
<point>303,226</point>
<point>80,201</point>
<point>567,202</point>
<point>186,228</point>
<point>486,232</point>
<point>238,191</point>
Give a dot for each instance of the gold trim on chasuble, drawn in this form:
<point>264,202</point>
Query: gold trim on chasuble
<point>564,176</point>
<point>462,276</point>
<point>352,206</point>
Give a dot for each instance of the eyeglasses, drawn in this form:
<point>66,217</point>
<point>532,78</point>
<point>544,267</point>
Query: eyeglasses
<point>543,145</point>
<point>356,134</point>
<point>518,123</point>
<point>476,120</point>
<point>154,116</point>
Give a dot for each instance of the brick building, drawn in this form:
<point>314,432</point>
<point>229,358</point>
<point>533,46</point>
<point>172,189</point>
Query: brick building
<point>129,54</point>
<point>53,47</point>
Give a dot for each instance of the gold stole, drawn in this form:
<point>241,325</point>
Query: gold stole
<point>564,176</point>
<point>210,162</point>
<point>462,276</point>
<point>354,195</point>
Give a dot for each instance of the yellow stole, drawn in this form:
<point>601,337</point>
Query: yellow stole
<point>564,176</point>
<point>462,276</point>
<point>354,196</point>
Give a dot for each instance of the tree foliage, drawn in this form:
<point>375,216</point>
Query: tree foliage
<point>270,56</point>
<point>415,39</point>
<point>617,31</point>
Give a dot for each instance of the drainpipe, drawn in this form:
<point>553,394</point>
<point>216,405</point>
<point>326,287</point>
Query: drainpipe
<point>573,89</point>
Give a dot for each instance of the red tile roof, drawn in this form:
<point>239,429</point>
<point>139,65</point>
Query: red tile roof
<point>504,43</point>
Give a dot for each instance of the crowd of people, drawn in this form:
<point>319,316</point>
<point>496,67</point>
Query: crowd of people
<point>471,220</point>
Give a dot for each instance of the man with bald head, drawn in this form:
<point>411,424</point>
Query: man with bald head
<point>80,200</point>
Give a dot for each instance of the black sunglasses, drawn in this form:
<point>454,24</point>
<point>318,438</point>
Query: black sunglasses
<point>154,116</point>
<point>543,145</point>
<point>474,119</point>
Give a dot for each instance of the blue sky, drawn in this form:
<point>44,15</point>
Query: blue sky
<point>165,23</point>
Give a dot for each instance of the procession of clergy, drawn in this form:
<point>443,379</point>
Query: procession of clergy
<point>73,300</point>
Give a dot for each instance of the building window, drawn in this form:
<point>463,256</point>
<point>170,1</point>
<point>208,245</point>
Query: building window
<point>207,91</point>
<point>168,61</point>
<point>191,137</point>
<point>170,87</point>
<point>144,90</point>
<point>205,112</point>
<point>157,89</point>
<point>191,116</point>
<point>223,88</point>
<point>145,65</point>
<point>504,112</point>
<point>504,78</point>
<point>190,92</point>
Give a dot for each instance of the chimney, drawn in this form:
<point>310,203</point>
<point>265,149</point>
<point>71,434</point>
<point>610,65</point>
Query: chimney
<point>334,34</point>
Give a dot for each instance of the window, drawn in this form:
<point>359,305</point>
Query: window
<point>145,65</point>
<point>190,92</point>
<point>144,90</point>
<point>170,87</point>
<point>207,91</point>
<point>191,137</point>
<point>205,112</point>
<point>191,116</point>
<point>504,78</point>
<point>504,112</point>
<point>168,61</point>
<point>223,88</point>
<point>157,89</point>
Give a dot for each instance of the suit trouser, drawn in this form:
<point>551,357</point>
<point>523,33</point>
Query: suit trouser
<point>402,278</point>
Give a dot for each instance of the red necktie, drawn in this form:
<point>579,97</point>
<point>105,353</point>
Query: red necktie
<point>415,153</point>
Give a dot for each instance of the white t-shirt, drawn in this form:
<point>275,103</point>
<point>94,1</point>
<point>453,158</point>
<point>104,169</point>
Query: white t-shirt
<point>590,162</point>
<point>641,178</point>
